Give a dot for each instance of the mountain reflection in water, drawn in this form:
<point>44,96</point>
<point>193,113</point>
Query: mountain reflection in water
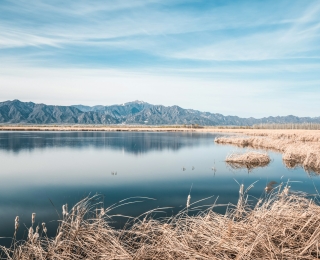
<point>38,168</point>
<point>132,142</point>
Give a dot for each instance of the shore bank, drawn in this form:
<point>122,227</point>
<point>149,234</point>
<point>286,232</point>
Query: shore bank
<point>101,128</point>
<point>298,147</point>
<point>178,128</point>
<point>280,225</point>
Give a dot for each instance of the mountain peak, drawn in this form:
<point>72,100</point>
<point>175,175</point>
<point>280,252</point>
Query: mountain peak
<point>135,112</point>
<point>139,102</point>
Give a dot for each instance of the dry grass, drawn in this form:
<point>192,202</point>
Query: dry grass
<point>248,160</point>
<point>298,148</point>
<point>83,233</point>
<point>282,225</point>
<point>95,128</point>
<point>295,135</point>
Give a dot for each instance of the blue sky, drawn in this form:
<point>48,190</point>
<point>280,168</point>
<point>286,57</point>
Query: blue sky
<point>246,58</point>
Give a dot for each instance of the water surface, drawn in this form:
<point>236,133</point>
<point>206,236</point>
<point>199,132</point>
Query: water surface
<point>39,169</point>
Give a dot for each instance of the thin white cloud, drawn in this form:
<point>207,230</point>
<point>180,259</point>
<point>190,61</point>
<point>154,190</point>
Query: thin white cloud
<point>301,37</point>
<point>83,23</point>
<point>96,86</point>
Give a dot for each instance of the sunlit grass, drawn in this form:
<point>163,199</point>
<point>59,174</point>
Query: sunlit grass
<point>280,225</point>
<point>298,147</point>
<point>248,160</point>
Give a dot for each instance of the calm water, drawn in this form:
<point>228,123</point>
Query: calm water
<point>64,167</point>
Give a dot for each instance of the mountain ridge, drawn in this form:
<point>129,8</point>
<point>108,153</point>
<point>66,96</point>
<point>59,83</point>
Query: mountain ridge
<point>135,112</point>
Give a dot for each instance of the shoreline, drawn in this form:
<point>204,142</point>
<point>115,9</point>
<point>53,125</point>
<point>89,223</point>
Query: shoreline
<point>298,148</point>
<point>282,224</point>
<point>98,129</point>
<point>128,128</point>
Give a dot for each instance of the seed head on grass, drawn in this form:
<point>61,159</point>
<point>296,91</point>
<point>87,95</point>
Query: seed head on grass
<point>33,218</point>
<point>241,189</point>
<point>44,228</point>
<point>64,210</point>
<point>188,201</point>
<point>30,233</point>
<point>16,223</point>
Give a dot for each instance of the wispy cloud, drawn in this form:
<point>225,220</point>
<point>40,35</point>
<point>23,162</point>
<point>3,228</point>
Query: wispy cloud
<point>299,39</point>
<point>202,52</point>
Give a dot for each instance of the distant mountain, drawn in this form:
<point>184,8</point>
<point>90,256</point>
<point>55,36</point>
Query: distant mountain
<point>30,113</point>
<point>136,112</point>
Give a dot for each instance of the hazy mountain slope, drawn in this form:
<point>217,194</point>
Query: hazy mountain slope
<point>88,108</point>
<point>136,112</point>
<point>117,111</point>
<point>27,112</point>
<point>15,111</point>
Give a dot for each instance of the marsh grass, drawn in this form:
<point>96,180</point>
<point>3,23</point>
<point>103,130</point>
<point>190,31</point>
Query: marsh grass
<point>249,160</point>
<point>280,225</point>
<point>297,149</point>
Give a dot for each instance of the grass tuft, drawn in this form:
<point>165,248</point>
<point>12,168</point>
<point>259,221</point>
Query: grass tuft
<point>248,160</point>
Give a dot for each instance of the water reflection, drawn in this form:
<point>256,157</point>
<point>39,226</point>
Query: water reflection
<point>38,168</point>
<point>132,142</point>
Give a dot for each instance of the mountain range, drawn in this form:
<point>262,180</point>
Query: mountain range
<point>131,113</point>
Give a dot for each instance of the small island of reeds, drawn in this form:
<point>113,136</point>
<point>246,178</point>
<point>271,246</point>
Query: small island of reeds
<point>249,160</point>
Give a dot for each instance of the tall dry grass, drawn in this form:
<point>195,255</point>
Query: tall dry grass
<point>83,233</point>
<point>295,135</point>
<point>297,148</point>
<point>281,225</point>
<point>304,126</point>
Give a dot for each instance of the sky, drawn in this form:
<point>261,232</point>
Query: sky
<point>246,58</point>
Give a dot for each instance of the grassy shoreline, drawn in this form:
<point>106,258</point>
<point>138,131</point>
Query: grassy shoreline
<point>280,225</point>
<point>298,147</point>
<point>165,128</point>
<point>101,128</point>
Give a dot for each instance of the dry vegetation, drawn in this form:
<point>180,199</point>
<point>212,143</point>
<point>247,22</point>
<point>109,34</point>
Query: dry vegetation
<point>298,147</point>
<point>164,128</point>
<point>106,128</point>
<point>248,160</point>
<point>291,126</point>
<point>282,225</point>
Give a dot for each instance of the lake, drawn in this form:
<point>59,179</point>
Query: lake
<point>41,171</point>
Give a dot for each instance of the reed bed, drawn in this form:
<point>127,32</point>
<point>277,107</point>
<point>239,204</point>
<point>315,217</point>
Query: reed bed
<point>83,233</point>
<point>281,225</point>
<point>303,149</point>
<point>304,126</point>
<point>248,160</point>
<point>294,135</point>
